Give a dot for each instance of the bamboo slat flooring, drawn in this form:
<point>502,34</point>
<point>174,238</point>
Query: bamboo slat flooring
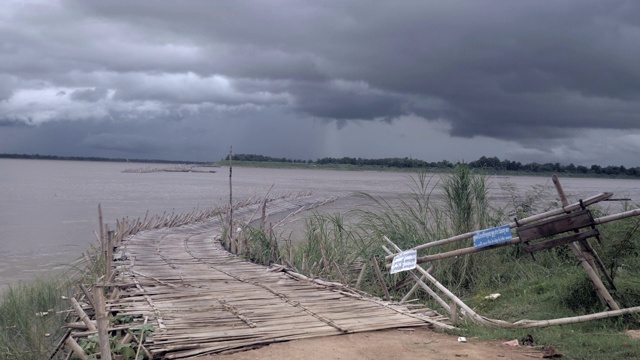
<point>202,299</point>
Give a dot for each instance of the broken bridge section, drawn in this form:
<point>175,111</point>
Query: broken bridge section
<point>201,299</point>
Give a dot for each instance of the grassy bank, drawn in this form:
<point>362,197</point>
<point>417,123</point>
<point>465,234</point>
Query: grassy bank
<point>338,246</point>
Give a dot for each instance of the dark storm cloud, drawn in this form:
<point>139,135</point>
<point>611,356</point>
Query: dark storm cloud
<point>502,68</point>
<point>525,71</point>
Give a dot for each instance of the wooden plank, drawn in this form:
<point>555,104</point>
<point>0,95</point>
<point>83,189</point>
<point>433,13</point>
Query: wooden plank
<point>561,241</point>
<point>573,221</point>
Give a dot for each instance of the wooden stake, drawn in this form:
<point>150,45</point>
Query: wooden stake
<point>453,313</point>
<point>101,225</point>
<point>342,278</point>
<point>380,279</point>
<point>108,254</point>
<point>230,198</point>
<point>361,275</point>
<point>87,295</point>
<point>292,254</point>
<point>588,266</point>
<point>272,239</point>
<point>103,322</point>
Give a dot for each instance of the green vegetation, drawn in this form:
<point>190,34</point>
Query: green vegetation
<point>550,286</point>
<point>489,165</point>
<point>31,320</point>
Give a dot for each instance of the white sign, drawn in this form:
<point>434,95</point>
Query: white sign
<point>406,260</point>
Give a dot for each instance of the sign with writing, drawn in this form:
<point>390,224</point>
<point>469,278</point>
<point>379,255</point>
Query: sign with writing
<point>406,260</point>
<point>492,236</point>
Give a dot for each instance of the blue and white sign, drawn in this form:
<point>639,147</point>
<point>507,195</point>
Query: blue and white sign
<point>488,237</point>
<point>406,260</point>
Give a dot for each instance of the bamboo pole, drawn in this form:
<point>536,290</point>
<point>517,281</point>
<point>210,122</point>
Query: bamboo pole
<point>586,202</point>
<point>77,349</point>
<point>380,278</point>
<point>103,322</point>
<point>481,320</point>
<point>464,251</point>
<point>81,314</point>
<point>87,295</point>
<point>587,265</point>
<point>361,275</point>
<point>614,217</point>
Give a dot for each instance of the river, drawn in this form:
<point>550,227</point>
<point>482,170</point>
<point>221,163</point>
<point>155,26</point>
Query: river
<point>49,209</point>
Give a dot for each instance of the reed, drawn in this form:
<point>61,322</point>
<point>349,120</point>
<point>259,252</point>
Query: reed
<point>31,318</point>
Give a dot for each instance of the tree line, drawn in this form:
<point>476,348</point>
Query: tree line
<point>489,164</point>
<point>90,158</point>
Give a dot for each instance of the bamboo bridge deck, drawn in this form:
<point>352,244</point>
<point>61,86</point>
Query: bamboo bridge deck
<point>202,299</point>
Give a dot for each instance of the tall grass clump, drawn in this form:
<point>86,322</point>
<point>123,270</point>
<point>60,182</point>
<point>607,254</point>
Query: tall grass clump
<point>331,248</point>
<point>31,318</point>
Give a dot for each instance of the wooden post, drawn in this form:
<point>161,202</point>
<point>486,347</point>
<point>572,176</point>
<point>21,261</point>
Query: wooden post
<point>292,254</point>
<point>103,322</point>
<point>108,255</point>
<point>380,279</point>
<point>230,198</point>
<point>100,224</point>
<point>601,290</point>
<point>453,313</point>
<point>272,240</point>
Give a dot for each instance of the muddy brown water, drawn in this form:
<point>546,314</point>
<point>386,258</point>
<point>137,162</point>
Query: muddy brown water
<point>48,209</point>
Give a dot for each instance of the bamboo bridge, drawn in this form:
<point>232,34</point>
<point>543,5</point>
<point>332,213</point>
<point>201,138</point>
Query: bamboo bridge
<point>201,299</point>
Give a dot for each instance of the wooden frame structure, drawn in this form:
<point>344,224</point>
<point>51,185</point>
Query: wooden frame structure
<point>534,232</point>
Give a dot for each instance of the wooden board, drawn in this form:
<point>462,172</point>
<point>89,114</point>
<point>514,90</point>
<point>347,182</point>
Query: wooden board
<point>557,225</point>
<point>561,241</point>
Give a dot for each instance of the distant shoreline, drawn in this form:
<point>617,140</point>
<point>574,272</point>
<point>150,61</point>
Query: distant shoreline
<point>434,170</point>
<point>94,158</point>
<point>313,165</point>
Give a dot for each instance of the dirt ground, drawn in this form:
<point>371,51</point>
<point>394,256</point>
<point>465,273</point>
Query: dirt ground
<point>417,343</point>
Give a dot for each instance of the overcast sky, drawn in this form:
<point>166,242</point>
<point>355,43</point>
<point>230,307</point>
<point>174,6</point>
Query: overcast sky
<point>544,81</point>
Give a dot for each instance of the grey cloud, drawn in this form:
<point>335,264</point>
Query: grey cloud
<point>89,95</point>
<point>345,102</point>
<point>122,142</point>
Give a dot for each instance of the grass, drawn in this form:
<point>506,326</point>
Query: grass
<point>30,318</point>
